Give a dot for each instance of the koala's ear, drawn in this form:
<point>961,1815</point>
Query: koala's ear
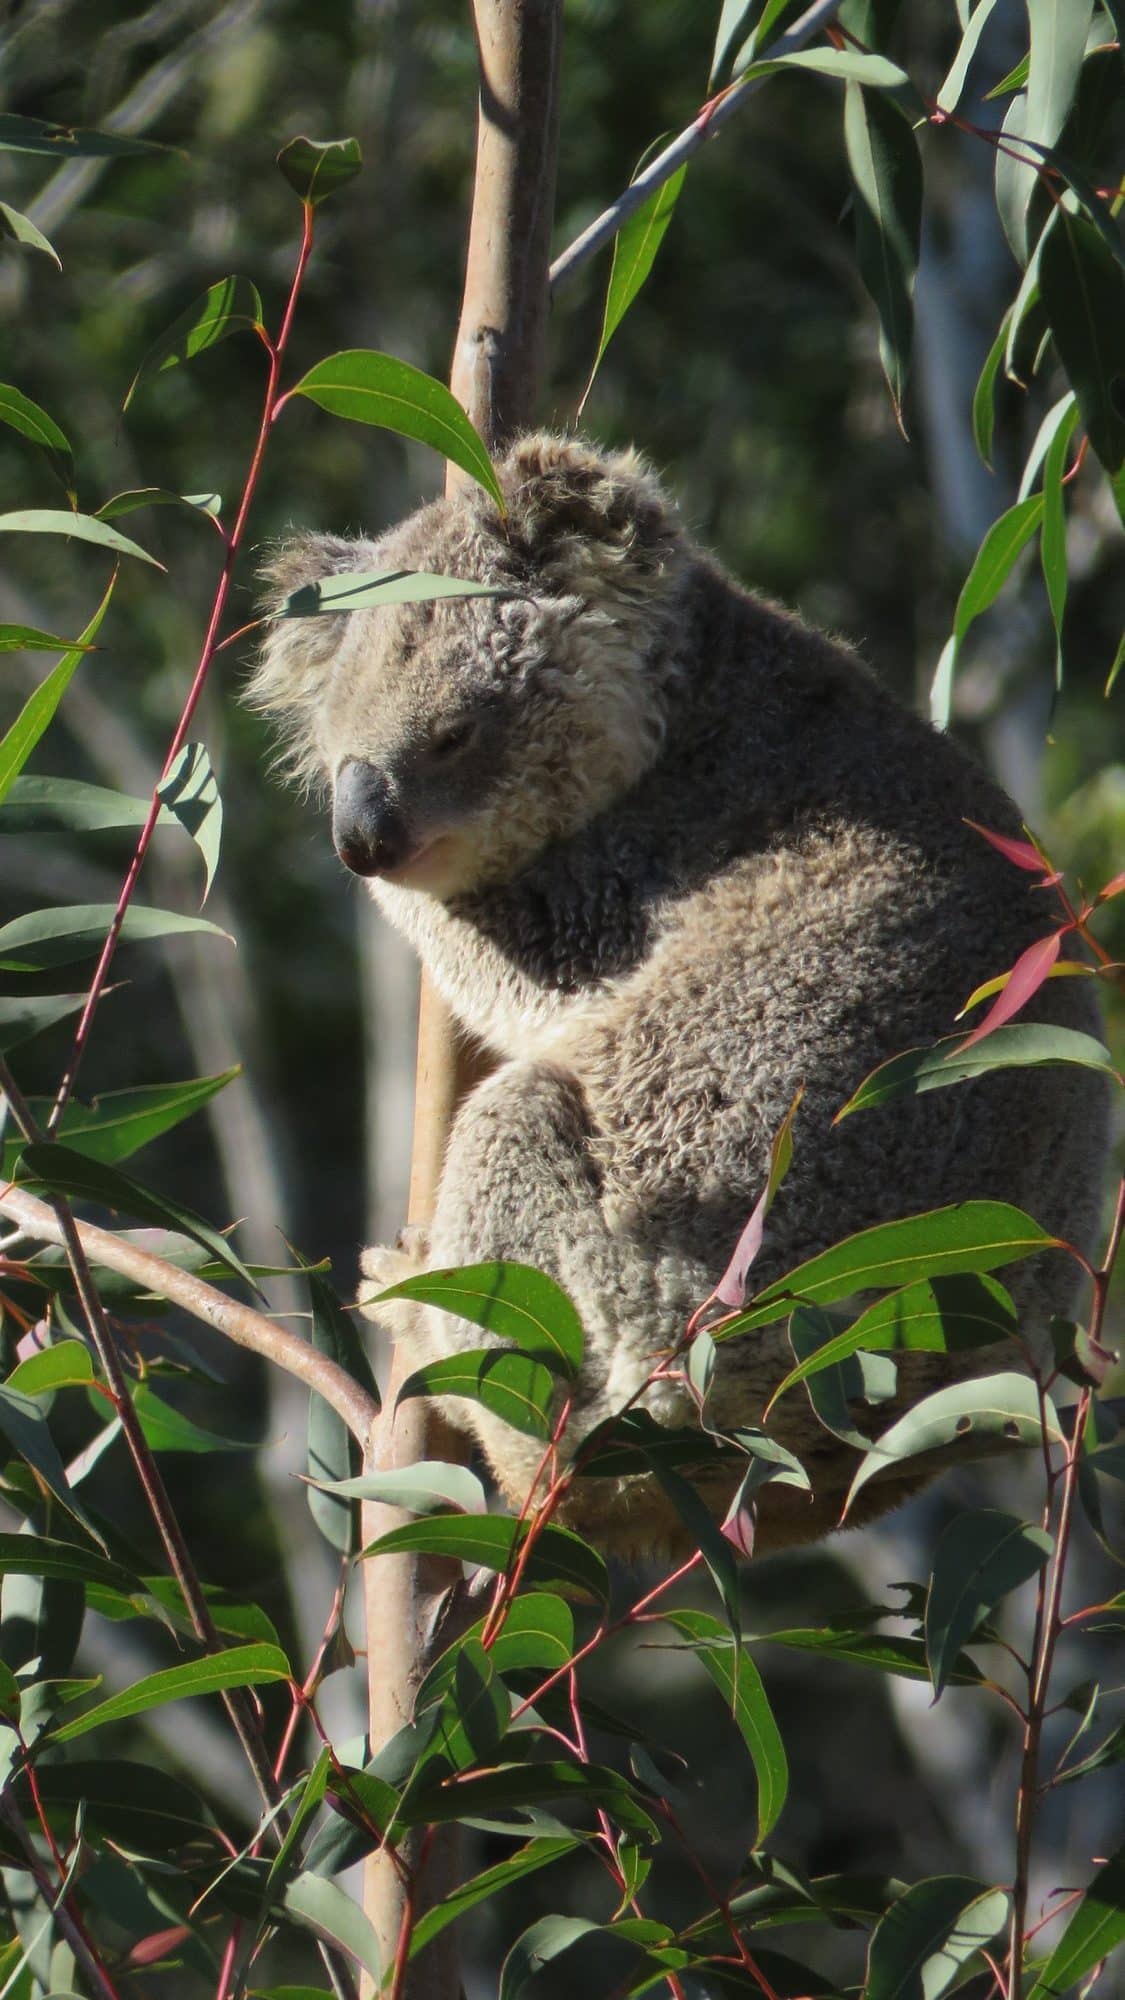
<point>289,674</point>
<point>567,499</point>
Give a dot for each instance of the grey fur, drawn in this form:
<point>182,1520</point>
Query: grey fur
<point>693,856</point>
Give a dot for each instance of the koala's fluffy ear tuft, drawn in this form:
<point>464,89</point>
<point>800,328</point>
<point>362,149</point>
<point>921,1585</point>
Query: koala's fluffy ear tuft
<point>288,678</point>
<point>567,500</point>
<point>302,559</point>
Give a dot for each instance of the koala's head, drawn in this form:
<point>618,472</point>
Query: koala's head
<point>457,737</point>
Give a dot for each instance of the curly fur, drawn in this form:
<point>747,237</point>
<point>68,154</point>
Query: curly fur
<point>694,856</point>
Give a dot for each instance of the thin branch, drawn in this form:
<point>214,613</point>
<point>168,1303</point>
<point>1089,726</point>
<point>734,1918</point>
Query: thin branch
<point>709,121</point>
<point>241,1324</point>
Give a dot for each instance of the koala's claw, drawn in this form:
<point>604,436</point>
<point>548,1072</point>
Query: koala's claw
<point>413,1240</point>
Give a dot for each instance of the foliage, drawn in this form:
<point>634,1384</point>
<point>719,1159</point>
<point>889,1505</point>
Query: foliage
<point>108,1875</point>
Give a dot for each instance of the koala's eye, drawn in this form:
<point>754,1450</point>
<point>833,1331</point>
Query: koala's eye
<point>450,737</point>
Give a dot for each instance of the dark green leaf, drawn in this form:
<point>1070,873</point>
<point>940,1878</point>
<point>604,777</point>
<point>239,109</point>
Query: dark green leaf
<point>43,135</point>
<point>63,1171</point>
<point>168,1429</point>
<point>317,168</point>
<point>239,1666</point>
<point>887,174</point>
<point>740,1683</point>
<point>22,230</point>
<point>21,1019</point>
<point>1083,289</point>
<point>122,1803</point>
<point>32,422</point>
<point>511,1385</point>
<point>968,1236</point>
<point>372,388</point>
<point>992,566</point>
<point>83,527</point>
<point>23,1424</point>
<point>362,590</point>
<point>510,1300</point>
<point>512,1786</point>
<point>525,1861</point>
<point>705,1534</point>
<point>56,937</point>
<point>37,712</point>
<point>209,504</point>
<point>851,1640</point>
<point>492,1541</point>
<point>1014,1047</point>
<point>38,1555</point>
<point>190,791</point>
<point>937,1316</point>
<point>1052,541</point>
<point>67,805</point>
<point>333,1454</point>
<point>919,1947</point>
<point>1003,1408</point>
<point>1095,1929</point>
<point>980,1558</point>
<point>231,306</point>
<point>117,1125</point>
<point>160,1597</point>
<point>984,395</point>
<point>538,1632</point>
<point>634,253</point>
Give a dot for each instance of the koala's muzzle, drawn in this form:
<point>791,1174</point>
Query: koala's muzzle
<point>369,832</point>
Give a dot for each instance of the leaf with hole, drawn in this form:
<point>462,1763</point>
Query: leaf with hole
<point>231,306</point>
<point>982,1556</point>
<point>991,1412</point>
<point>372,388</point>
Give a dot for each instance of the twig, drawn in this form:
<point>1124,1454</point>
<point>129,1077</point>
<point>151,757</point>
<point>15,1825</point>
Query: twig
<point>704,126</point>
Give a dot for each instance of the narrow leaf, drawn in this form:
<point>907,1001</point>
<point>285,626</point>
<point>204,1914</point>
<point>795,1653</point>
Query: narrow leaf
<point>491,1542</point>
<point>992,566</point>
<point>83,527</point>
<point>191,792</point>
<point>928,1933</point>
<point>167,1429</point>
<point>1052,541</point>
<point>738,1679</point>
<point>209,504</point>
<point>512,1386</point>
<point>950,1061</point>
<point>731,1288</point>
<point>372,388</point>
<point>63,1171</point>
<point>1003,1408</point>
<point>1023,982</point>
<point>231,306</point>
<point>21,1019</point>
<point>240,1666</point>
<point>42,1555</point>
<point>55,141</point>
<point>527,1860</point>
<point>634,253</point>
<point>984,395</point>
<point>364,590</point>
<point>427,1487</point>
<point>27,639</point>
<point>322,1906</point>
<point>37,712</point>
<point>1083,290</point>
<point>32,422</point>
<point>23,231</point>
<point>949,95</point>
<point>512,1301</point>
<point>24,1426</point>
<point>887,175</point>
<point>939,1316</point>
<point>117,1125</point>
<point>333,1454</point>
<point>1095,1929</point>
<point>317,168</point>
<point>981,1557</point>
<point>56,937</point>
<point>68,805</point>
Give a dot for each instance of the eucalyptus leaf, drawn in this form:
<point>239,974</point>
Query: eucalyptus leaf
<point>55,141</point>
<point>237,1666</point>
<point>45,938</point>
<point>1095,1929</point>
<point>317,168</point>
<point>738,1679</point>
<point>510,1385</point>
<point>61,1170</point>
<point>366,590</point>
<point>372,388</point>
<point>231,306</point>
<point>995,1410</point>
<point>927,1935</point>
<point>887,176</point>
<point>1018,1046</point>
<point>981,1557</point>
<point>492,1541</point>
<point>333,1454</point>
<point>23,231</point>
<point>39,709</point>
<point>18,411</point>
<point>191,792</point>
<point>82,527</point>
<point>117,1125</point>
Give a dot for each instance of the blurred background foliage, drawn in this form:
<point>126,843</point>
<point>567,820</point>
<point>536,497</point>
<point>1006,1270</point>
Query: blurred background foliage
<point>748,370</point>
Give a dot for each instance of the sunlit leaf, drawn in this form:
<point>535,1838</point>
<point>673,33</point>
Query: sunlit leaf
<point>372,388</point>
<point>317,168</point>
<point>209,505</point>
<point>996,1409</point>
<point>1096,1927</point>
<point>731,1288</point>
<point>167,1429</point>
<point>27,639</point>
<point>492,1541</point>
<point>852,1640</point>
<point>845,65</point>
<point>62,1366</point>
<point>981,1557</point>
<point>1026,1045</point>
<point>887,176</point>
<point>37,804</point>
<point>117,1125</point>
<point>511,1786</point>
<point>63,1171</point>
<point>82,527</point>
<point>239,1666</point>
<point>363,590</point>
<point>938,1316</point>
<point>24,1425</point>
<point>510,1300</point>
<point>513,1387</point>
<point>634,253</point>
<point>538,1631</point>
<point>322,1906</point>
<point>191,792</point>
<point>527,1860</point>
<point>992,566</point>
<point>24,416</point>
<point>919,1947</point>
<point>231,306</point>
<point>23,231</point>
<point>428,1487</point>
<point>38,710</point>
<point>738,1679</point>
<point>41,1555</point>
<point>949,94</point>
<point>55,937</point>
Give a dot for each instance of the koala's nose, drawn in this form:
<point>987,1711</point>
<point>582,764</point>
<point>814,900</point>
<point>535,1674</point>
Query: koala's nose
<point>369,832</point>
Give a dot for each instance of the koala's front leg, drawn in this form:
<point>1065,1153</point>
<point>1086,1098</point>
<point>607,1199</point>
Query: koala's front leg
<point>521,1181</point>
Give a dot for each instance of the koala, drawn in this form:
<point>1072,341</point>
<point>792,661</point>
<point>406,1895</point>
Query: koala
<point>671,855</point>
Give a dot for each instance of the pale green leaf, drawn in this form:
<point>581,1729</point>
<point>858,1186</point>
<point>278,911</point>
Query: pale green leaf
<point>190,791</point>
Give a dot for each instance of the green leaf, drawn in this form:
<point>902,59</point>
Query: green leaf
<point>32,422</point>
<point>62,1366</point>
<point>887,174</point>
<point>332,1452</point>
<point>968,1236</point>
<point>984,395</point>
<point>317,168</point>
<point>209,504</point>
<point>512,1786</point>
<point>1095,1929</point>
<point>492,1541</point>
<point>68,805</point>
<point>371,388</point>
<point>322,1907</point>
<point>22,230</point>
<point>428,1487</point>
<point>538,1632</point>
<point>239,1666</point>
<point>981,1557</point>
<point>64,1171</point>
<point>191,792</point>
<point>45,136</point>
<point>843,65</point>
<point>525,1861</point>
<point>511,1385</point>
<point>739,1681</point>
<point>45,938</point>
<point>1023,1044</point>
<point>1052,541</point>
<point>117,1125</point>
<point>161,1597</point>
<point>1115,669</point>
<point>122,1804</point>
<point>167,1429</point>
<point>1083,290</point>
<point>1059,29</point>
<point>992,566</point>
<point>919,1947</point>
<point>38,710</point>
<point>21,1019</point>
<point>938,1316</point>
<point>40,1555</point>
<point>23,1424</point>
<point>732,21</point>
<point>1000,1407</point>
<point>27,639</point>
<point>850,1639</point>
<point>83,527</point>
<point>510,1300</point>
<point>634,253</point>
<point>231,306</point>
<point>949,95</point>
<point>363,590</point>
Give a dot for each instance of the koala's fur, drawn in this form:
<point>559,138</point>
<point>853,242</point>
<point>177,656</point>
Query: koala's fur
<point>689,856</point>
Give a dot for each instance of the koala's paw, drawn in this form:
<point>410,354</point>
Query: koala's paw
<point>382,1267</point>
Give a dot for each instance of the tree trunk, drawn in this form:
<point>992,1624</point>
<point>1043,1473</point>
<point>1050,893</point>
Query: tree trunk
<point>496,371</point>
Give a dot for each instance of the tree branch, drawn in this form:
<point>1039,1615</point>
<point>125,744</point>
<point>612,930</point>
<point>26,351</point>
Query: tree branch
<point>709,122</point>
